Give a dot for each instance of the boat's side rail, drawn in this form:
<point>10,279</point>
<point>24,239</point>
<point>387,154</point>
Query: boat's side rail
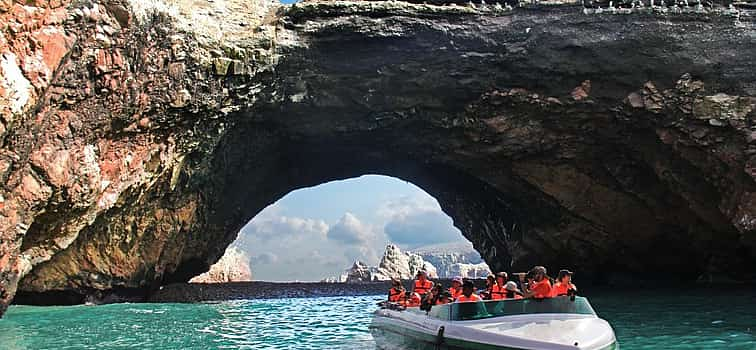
<point>497,308</point>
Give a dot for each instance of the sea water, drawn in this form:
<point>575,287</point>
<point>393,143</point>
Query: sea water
<point>723,318</point>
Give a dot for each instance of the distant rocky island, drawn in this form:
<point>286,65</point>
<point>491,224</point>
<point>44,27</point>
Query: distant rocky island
<point>439,261</point>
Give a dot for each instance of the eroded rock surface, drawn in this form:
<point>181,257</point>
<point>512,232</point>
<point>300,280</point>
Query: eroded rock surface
<point>138,137</point>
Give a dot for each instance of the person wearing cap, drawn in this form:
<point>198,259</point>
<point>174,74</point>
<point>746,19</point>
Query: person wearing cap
<point>467,293</point>
<point>396,293</point>
<point>540,287</point>
<point>422,285</point>
<point>456,287</point>
<point>511,291</point>
<point>413,300</point>
<point>498,291</point>
<point>563,284</point>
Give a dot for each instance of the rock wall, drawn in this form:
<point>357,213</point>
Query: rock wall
<point>137,137</point>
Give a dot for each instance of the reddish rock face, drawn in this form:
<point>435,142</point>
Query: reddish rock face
<point>133,146</point>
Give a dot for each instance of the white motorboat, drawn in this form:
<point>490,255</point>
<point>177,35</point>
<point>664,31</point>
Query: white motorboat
<point>560,323</point>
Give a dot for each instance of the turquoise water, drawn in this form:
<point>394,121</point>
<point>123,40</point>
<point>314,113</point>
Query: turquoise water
<point>706,319</point>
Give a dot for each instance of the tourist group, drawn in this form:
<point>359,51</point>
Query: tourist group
<point>535,284</point>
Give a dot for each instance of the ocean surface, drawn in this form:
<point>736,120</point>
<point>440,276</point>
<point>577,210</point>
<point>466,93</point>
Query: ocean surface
<point>721,318</point>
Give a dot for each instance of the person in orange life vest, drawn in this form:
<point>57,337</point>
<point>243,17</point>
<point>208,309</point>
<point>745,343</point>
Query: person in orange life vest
<point>563,284</point>
<point>444,298</point>
<point>490,282</point>
<point>413,300</point>
<point>396,293</point>
<point>511,291</point>
<point>540,287</point>
<point>498,291</point>
<point>422,285</point>
<point>456,287</point>
<point>467,293</point>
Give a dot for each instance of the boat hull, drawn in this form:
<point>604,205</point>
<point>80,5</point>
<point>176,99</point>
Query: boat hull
<point>390,335</point>
<point>412,330</point>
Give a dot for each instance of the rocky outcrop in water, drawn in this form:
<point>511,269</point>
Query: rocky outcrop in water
<point>401,265</point>
<point>233,266</point>
<point>137,137</point>
<point>444,262</point>
<point>455,259</point>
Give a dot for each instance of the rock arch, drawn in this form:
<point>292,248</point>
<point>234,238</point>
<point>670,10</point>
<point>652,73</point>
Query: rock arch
<point>142,141</point>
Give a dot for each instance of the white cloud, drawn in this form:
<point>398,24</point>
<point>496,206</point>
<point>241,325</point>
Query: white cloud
<point>350,230</point>
<point>413,221</point>
<point>265,258</point>
<point>400,207</point>
<point>267,225</point>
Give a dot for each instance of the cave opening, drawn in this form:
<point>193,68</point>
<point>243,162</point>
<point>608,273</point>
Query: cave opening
<point>339,231</point>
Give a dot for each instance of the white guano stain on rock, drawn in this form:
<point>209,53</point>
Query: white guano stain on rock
<point>17,87</point>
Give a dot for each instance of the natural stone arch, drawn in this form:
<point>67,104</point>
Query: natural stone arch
<point>547,135</point>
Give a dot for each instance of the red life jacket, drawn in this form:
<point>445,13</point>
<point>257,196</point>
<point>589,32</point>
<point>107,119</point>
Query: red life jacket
<point>560,289</point>
<point>542,289</point>
<point>422,288</point>
<point>395,295</point>
<point>455,293</point>
<point>473,297</point>
<point>414,300</point>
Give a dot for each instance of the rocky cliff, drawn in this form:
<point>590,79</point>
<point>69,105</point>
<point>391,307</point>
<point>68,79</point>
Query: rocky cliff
<point>137,137</point>
<point>442,261</point>
<point>454,259</point>
<point>233,266</point>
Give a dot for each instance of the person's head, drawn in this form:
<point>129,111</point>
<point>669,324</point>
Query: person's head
<point>490,280</point>
<point>501,278</point>
<point>456,282</point>
<point>396,283</point>
<point>564,276</point>
<point>436,289</point>
<point>511,287</point>
<point>539,273</point>
<point>467,288</point>
<point>415,297</point>
<point>421,275</point>
<point>444,297</point>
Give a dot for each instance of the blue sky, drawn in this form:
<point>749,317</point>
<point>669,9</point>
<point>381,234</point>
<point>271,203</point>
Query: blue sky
<point>316,232</point>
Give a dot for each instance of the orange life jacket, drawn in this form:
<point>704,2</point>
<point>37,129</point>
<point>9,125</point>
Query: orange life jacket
<point>473,297</point>
<point>455,293</point>
<point>422,288</point>
<point>542,289</point>
<point>414,300</point>
<point>498,292</point>
<point>395,295</point>
<point>560,288</point>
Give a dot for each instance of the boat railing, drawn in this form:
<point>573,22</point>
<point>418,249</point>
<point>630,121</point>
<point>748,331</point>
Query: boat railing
<point>497,308</point>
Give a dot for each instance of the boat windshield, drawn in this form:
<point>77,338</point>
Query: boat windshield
<point>497,308</point>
